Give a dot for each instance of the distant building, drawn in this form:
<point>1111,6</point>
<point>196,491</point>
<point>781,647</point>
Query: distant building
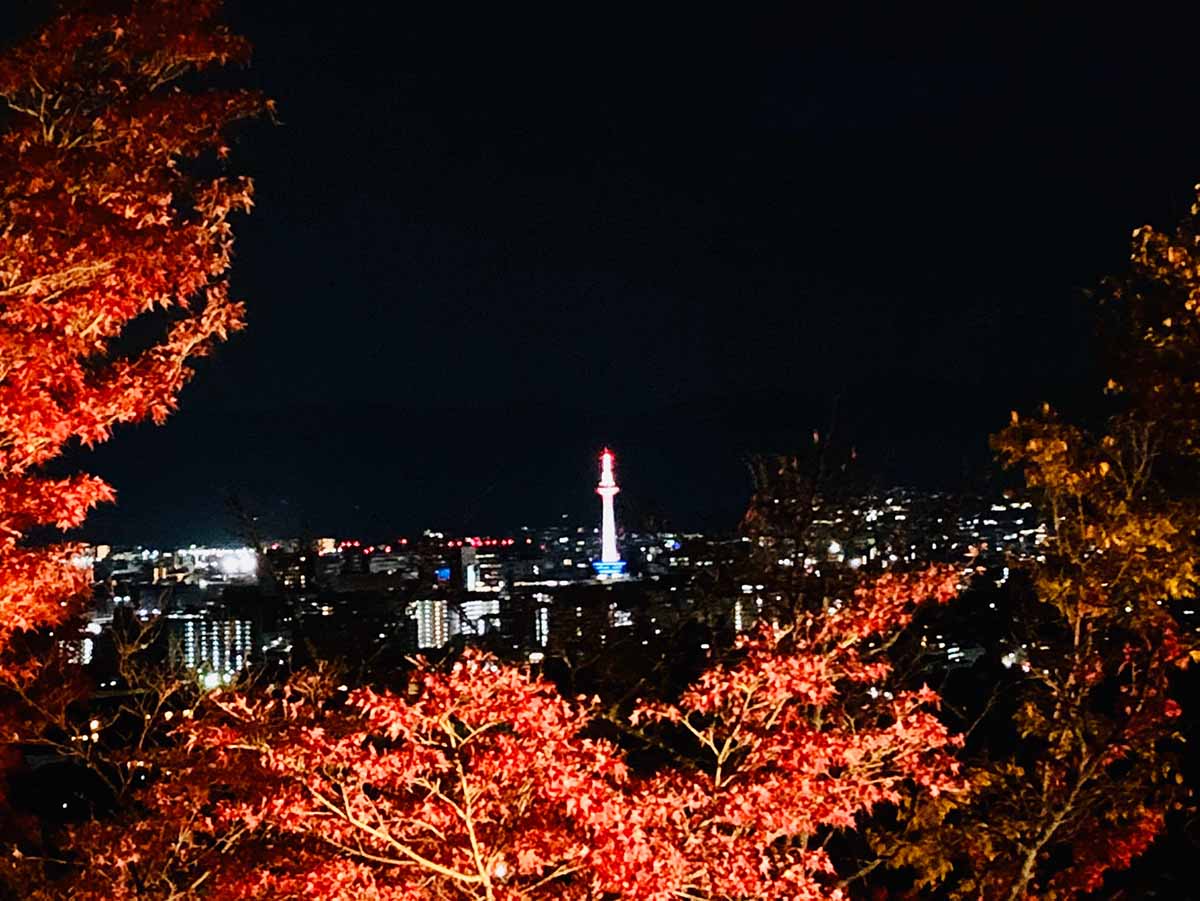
<point>433,622</point>
<point>213,646</point>
<point>486,565</point>
<point>392,563</point>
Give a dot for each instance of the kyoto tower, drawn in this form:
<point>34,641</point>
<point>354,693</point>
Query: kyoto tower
<point>610,565</point>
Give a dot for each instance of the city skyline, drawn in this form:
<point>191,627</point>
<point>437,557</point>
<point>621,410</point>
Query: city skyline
<point>607,533</point>
<point>423,592</point>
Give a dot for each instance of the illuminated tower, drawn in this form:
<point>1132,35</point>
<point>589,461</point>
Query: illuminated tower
<point>610,565</point>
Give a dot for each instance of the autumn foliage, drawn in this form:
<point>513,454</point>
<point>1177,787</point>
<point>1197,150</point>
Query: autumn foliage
<point>1093,771</point>
<point>105,222</point>
<point>476,778</point>
<point>480,780</point>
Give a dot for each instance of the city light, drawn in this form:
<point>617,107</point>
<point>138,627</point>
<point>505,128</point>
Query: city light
<point>610,565</point>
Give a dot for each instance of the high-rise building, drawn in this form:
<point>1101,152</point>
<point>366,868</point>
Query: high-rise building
<point>610,565</point>
<point>433,628</point>
<point>218,647</point>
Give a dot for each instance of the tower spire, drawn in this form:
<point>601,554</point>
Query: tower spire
<point>610,565</point>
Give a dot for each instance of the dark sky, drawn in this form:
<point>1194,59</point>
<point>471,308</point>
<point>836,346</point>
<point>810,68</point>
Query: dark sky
<point>484,247</point>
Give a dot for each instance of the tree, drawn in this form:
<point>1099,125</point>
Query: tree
<point>479,780</point>
<point>1094,772</point>
<point>797,739</point>
<point>115,243</point>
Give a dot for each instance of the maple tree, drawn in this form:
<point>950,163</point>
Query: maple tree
<point>115,242</point>
<point>794,737</point>
<point>480,780</point>
<point>1094,773</point>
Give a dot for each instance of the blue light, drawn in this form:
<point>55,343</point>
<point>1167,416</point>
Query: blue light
<point>443,574</point>
<point>609,570</point>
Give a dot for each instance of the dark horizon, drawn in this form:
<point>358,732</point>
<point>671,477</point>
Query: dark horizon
<point>485,247</point>
<point>683,468</point>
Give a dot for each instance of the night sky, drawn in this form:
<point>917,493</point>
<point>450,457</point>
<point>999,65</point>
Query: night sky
<point>485,247</point>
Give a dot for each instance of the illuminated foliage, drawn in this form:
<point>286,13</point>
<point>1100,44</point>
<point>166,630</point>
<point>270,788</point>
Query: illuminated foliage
<point>795,739</point>
<point>1095,771</point>
<point>481,781</point>
<point>476,783</point>
<point>113,258</point>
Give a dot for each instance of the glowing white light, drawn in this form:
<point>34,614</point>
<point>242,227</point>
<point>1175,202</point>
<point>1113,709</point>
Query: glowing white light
<point>610,560</point>
<point>607,489</point>
<point>239,562</point>
<point>433,627</point>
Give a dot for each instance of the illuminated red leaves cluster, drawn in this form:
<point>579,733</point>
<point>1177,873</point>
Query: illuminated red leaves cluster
<point>103,221</point>
<point>480,780</point>
<point>797,737</point>
<point>1107,850</point>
